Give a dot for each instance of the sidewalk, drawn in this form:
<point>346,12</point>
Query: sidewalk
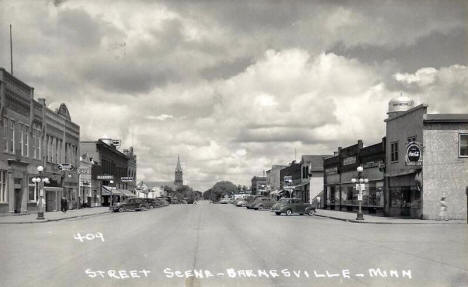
<point>373,219</point>
<point>53,216</point>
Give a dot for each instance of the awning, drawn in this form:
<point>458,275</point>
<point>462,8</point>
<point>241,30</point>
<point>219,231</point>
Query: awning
<point>108,190</point>
<point>128,193</point>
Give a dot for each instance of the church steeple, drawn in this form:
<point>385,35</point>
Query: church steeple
<point>178,168</point>
<point>178,180</point>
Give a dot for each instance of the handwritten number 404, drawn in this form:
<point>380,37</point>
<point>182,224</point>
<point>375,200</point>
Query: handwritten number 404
<point>88,236</point>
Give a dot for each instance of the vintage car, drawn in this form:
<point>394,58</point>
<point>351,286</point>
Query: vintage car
<point>250,200</point>
<point>131,204</point>
<point>241,203</point>
<point>151,202</point>
<point>289,206</point>
<point>225,201</point>
<point>263,203</point>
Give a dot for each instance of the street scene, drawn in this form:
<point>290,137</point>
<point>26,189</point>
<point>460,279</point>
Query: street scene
<point>233,143</point>
<point>191,245</point>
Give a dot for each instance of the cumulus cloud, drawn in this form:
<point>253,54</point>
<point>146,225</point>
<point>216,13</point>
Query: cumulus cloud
<point>236,86</point>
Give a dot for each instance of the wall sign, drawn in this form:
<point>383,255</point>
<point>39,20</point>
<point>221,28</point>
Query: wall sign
<point>105,177</point>
<point>349,160</point>
<point>413,154</point>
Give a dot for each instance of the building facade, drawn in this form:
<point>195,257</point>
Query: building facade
<point>258,184</point>
<point>86,196</point>
<point>340,192</point>
<point>273,178</point>
<point>415,187</point>
<point>311,176</point>
<point>131,170</point>
<point>32,136</point>
<point>109,173</point>
<point>293,172</point>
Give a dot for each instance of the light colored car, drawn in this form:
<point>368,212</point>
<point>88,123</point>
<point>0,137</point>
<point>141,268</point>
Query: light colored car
<point>241,203</point>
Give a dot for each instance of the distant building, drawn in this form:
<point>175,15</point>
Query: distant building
<point>288,188</point>
<point>131,169</point>
<point>178,177</point>
<point>86,196</point>
<point>110,171</point>
<point>312,176</point>
<point>273,178</point>
<point>258,184</point>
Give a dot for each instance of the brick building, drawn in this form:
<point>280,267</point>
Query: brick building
<point>110,171</point>
<point>32,135</point>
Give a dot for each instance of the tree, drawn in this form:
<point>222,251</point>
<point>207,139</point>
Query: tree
<point>219,190</point>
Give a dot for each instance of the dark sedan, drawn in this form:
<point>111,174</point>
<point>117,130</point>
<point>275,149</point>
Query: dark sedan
<point>263,203</point>
<point>131,204</point>
<point>290,206</point>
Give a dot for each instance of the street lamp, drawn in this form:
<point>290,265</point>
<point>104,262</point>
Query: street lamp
<point>111,182</point>
<point>40,180</point>
<point>360,186</point>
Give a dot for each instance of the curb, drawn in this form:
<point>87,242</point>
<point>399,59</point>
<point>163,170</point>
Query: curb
<point>376,222</point>
<point>56,219</point>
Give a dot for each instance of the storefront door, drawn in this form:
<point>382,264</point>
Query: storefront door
<point>50,201</point>
<point>405,201</point>
<point>18,199</point>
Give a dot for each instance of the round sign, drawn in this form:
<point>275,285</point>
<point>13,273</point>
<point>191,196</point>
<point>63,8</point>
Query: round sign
<point>414,153</point>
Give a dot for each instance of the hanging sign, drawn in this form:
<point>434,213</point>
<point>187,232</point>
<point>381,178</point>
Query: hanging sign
<point>413,154</point>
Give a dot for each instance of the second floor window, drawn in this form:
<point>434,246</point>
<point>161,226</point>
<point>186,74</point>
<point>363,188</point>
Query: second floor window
<point>394,151</point>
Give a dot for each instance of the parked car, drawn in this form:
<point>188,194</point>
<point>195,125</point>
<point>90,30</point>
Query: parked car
<point>263,203</point>
<point>151,202</point>
<point>162,201</point>
<point>131,204</point>
<point>225,201</point>
<point>241,203</point>
<point>290,206</point>
<point>250,200</point>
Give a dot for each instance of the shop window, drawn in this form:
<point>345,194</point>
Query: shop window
<point>3,186</point>
<point>463,145</point>
<point>394,151</point>
<point>32,192</point>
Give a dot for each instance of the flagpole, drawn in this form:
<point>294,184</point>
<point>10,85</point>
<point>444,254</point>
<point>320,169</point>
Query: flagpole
<point>11,53</point>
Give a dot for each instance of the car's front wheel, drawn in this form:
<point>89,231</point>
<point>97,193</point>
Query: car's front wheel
<point>288,212</point>
<point>311,212</point>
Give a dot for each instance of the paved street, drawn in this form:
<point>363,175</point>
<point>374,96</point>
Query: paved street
<point>225,241</point>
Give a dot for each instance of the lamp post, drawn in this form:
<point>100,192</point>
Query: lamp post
<point>40,180</point>
<point>111,182</point>
<point>360,187</point>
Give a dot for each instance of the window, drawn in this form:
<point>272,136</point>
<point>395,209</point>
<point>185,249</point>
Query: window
<point>463,145</point>
<point>412,139</point>
<point>32,192</point>
<point>3,186</point>
<point>394,151</point>
<point>5,133</point>
<point>11,137</point>
<point>25,141</point>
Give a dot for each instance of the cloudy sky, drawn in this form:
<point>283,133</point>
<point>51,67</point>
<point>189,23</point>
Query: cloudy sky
<point>236,86</point>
